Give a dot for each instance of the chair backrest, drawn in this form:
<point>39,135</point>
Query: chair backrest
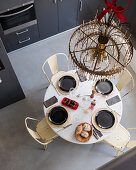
<point>33,133</point>
<point>53,64</point>
<point>45,131</point>
<point>119,138</point>
<point>124,81</point>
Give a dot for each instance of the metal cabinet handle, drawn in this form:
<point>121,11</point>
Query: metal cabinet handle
<point>22,41</point>
<point>81,5</point>
<point>18,33</point>
<point>54,1</point>
<point>0,80</point>
<point>9,15</point>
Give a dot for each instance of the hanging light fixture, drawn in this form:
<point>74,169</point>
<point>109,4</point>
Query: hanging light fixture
<point>102,47</point>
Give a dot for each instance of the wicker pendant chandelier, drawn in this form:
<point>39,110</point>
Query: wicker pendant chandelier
<point>102,47</point>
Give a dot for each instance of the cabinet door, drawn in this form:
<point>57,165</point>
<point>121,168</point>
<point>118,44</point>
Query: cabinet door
<point>47,17</point>
<point>67,14</point>
<point>18,38</point>
<point>10,89</point>
<point>87,9</point>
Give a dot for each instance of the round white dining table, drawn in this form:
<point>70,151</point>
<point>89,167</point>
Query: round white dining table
<point>78,116</point>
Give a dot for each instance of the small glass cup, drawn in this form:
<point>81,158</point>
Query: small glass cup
<point>75,118</point>
<point>72,93</point>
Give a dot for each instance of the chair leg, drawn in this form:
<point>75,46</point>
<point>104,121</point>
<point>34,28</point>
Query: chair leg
<point>46,86</point>
<point>117,153</point>
<point>99,142</point>
<point>45,147</point>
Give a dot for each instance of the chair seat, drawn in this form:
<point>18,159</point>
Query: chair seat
<point>45,131</point>
<point>57,75</point>
<point>119,138</point>
<point>131,144</point>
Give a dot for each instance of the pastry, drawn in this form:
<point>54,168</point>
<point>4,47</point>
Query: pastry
<point>84,134</point>
<point>81,134</point>
<point>79,129</point>
<point>86,127</point>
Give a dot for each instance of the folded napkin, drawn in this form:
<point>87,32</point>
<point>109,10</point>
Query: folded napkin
<point>113,100</point>
<point>50,101</point>
<point>81,76</point>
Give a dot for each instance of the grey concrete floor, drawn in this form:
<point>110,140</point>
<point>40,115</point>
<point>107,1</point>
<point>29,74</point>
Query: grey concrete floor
<point>18,151</point>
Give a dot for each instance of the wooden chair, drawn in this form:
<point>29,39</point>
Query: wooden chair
<point>53,64</point>
<point>120,139</point>
<point>125,79</point>
<point>43,132</point>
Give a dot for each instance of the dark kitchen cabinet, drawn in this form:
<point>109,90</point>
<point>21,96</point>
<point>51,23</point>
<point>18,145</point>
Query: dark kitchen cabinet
<point>55,16</point>
<point>47,17</point>
<point>10,89</point>
<point>130,14</point>
<point>67,14</point>
<point>21,36</point>
<point>87,9</point>
<point>18,26</point>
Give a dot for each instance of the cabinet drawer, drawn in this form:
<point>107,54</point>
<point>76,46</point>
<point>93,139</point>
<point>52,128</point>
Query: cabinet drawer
<point>21,38</point>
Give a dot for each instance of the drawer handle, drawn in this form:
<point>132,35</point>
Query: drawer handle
<point>81,5</point>
<point>22,41</point>
<point>0,80</point>
<point>54,1</point>
<point>18,33</point>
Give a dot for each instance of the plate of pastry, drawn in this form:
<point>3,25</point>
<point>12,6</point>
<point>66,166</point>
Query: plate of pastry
<point>83,132</point>
<point>69,103</point>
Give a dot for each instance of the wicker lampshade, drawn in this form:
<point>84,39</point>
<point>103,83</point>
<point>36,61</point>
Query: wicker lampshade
<point>101,48</point>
